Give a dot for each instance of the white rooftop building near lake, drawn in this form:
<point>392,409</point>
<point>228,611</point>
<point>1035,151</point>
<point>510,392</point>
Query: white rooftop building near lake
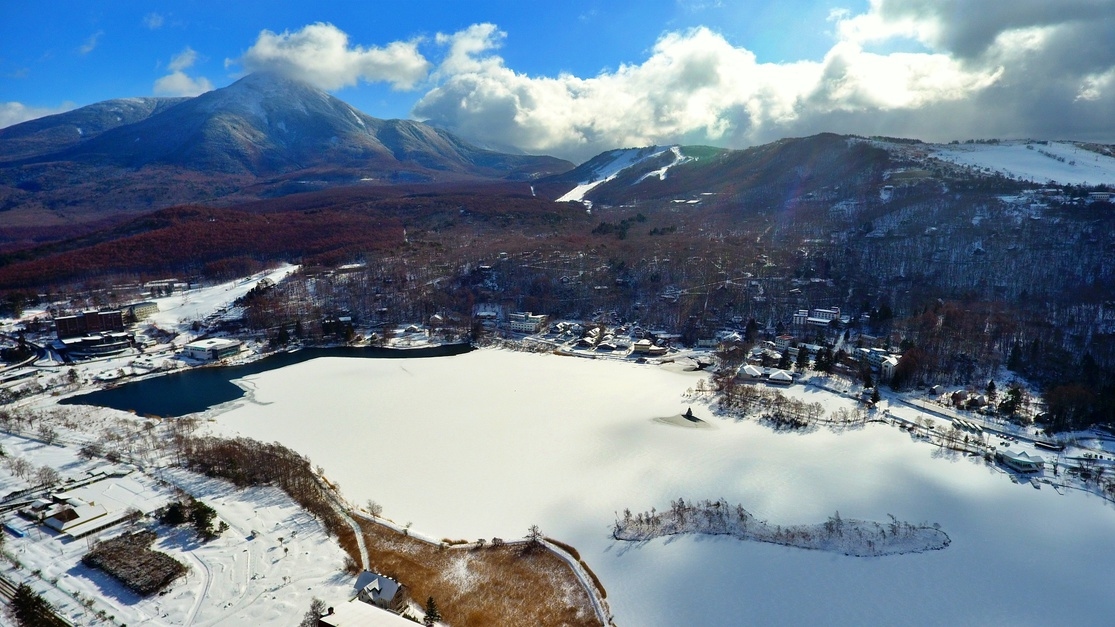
<point>212,349</point>
<point>525,322</point>
<point>1021,461</point>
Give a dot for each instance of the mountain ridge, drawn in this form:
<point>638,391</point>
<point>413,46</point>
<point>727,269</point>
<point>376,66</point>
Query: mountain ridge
<point>263,136</point>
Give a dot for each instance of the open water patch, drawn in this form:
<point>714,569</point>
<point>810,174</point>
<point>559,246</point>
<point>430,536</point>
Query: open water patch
<point>198,389</point>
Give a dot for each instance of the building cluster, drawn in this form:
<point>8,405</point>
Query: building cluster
<point>92,334</point>
<point>86,506</point>
<point>98,333</point>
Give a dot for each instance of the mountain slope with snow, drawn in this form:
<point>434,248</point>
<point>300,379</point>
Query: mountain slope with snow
<point>606,167</point>
<point>1039,162</point>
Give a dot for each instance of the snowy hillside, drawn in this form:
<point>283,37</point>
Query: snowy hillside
<point>1041,162</point>
<point>609,165</point>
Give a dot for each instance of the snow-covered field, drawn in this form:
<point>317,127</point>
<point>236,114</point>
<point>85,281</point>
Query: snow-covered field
<point>487,444</point>
<point>263,571</point>
<point>1060,162</point>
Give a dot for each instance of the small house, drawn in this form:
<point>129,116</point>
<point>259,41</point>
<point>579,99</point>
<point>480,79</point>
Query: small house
<point>381,591</point>
<point>749,371</point>
<point>781,377</point>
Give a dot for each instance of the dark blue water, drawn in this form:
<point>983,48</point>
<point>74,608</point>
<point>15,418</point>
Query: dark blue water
<point>199,389</point>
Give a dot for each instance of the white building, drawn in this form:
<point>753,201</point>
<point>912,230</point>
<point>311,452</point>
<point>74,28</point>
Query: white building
<point>525,322</point>
<point>212,349</point>
<point>888,366</point>
<point>1021,461</point>
<point>816,317</point>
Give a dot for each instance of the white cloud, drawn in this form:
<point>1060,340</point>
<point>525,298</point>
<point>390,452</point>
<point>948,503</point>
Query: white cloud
<point>181,84</point>
<point>153,21</point>
<point>977,68</point>
<point>694,87</point>
<point>16,112</point>
<point>320,54</point>
<point>91,44</point>
<point>178,83</point>
<point>466,46</point>
<point>183,60</point>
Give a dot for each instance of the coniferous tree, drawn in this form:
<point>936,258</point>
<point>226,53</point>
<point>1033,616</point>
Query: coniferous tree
<point>31,610</point>
<point>803,358</point>
<point>433,614</point>
<point>784,361</point>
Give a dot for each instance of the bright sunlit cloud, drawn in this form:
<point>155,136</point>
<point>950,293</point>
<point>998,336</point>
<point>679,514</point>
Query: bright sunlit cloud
<point>975,75</point>
<point>178,83</point>
<point>320,54</point>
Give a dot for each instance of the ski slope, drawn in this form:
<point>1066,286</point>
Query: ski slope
<point>660,173</point>
<point>1053,162</point>
<point>178,310</point>
<point>620,161</point>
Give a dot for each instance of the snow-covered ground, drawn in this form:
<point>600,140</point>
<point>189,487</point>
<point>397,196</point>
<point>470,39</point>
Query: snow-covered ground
<point>621,160</point>
<point>487,444</point>
<point>1060,162</point>
<point>178,310</point>
<point>263,571</point>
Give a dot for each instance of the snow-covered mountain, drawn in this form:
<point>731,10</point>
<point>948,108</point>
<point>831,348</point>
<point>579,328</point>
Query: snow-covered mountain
<point>693,174</point>
<point>626,167</point>
<point>265,124</point>
<point>824,166</point>
<point>56,132</point>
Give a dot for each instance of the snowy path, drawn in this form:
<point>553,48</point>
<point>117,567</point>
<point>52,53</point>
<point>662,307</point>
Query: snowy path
<point>207,577</point>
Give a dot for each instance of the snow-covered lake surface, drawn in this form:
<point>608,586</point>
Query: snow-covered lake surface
<point>487,444</point>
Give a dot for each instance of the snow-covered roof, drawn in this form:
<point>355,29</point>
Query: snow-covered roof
<point>211,343</point>
<point>356,613</point>
<point>1021,457</point>
<point>377,586</point>
<point>751,371</point>
<point>781,375</point>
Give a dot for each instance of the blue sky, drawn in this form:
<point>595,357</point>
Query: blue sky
<point>574,78</point>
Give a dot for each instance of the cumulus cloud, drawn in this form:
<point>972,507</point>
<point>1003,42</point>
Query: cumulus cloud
<point>178,82</point>
<point>979,69</point>
<point>320,54</point>
<point>16,112</point>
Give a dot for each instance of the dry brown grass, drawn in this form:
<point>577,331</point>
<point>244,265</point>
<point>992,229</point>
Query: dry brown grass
<point>502,585</point>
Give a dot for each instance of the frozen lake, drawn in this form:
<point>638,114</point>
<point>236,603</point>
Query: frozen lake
<point>488,443</point>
